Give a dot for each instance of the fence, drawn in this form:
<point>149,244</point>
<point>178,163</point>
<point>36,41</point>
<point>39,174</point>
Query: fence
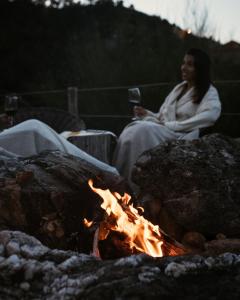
<point>108,108</point>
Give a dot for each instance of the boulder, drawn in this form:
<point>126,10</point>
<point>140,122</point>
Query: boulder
<point>196,183</point>
<point>48,196</point>
<point>29,270</point>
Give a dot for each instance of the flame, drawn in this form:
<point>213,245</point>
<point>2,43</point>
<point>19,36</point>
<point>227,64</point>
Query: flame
<point>142,234</point>
<point>87,223</point>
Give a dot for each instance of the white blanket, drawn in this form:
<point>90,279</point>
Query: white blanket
<point>32,137</point>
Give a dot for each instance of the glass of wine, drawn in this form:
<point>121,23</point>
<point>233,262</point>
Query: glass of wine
<point>11,106</point>
<point>134,98</point>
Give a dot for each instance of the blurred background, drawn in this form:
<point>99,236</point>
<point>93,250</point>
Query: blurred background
<point>103,47</point>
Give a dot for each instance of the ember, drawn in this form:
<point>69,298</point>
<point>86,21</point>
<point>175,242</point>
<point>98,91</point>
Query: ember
<point>87,223</point>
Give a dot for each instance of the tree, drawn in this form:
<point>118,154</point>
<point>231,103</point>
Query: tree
<point>56,3</point>
<point>91,2</point>
<point>197,18</point>
<point>105,2</point>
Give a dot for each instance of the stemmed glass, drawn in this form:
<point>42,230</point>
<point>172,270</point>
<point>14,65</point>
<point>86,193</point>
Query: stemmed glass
<point>134,98</point>
<point>11,106</point>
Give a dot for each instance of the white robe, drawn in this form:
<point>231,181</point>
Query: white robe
<point>180,119</point>
<point>33,136</point>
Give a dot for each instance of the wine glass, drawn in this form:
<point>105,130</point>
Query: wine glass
<point>134,98</point>
<point>11,106</point>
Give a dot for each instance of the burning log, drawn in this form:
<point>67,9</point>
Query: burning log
<point>216,247</point>
<point>125,232</point>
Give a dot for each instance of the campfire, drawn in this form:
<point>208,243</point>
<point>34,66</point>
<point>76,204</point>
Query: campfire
<point>125,231</point>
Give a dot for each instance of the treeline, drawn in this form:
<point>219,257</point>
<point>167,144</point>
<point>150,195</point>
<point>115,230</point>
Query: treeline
<point>44,48</point>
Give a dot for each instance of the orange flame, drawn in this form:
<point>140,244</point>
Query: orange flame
<point>87,223</point>
<point>142,234</point>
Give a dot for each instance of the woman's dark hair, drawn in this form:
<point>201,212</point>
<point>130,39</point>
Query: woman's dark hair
<point>202,66</point>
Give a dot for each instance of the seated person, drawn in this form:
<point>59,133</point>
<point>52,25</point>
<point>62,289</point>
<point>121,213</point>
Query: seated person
<point>191,105</point>
<point>33,136</point>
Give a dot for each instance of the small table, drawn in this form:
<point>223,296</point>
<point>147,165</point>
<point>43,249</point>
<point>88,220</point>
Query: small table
<point>98,143</point>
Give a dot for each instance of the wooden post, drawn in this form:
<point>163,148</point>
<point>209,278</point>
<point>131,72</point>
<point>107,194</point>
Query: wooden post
<point>73,100</point>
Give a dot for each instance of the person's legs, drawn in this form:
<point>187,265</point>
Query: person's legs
<point>33,136</point>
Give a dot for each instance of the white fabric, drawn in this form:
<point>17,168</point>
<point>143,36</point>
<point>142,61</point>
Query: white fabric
<point>32,137</point>
<point>180,119</point>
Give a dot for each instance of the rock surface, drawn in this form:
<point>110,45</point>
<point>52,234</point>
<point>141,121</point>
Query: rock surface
<point>195,182</point>
<point>29,270</point>
<point>48,196</point>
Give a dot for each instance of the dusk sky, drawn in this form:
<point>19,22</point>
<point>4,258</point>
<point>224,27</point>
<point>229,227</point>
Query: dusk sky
<point>224,15</point>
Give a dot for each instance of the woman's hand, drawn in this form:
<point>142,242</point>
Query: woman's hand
<point>139,111</point>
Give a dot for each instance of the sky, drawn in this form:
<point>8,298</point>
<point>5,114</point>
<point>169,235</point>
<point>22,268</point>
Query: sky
<point>223,15</point>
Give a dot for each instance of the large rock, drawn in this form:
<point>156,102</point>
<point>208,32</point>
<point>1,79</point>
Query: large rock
<point>29,270</point>
<point>48,196</point>
<point>196,182</point>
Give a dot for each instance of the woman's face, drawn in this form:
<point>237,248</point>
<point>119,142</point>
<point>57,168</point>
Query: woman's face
<point>188,69</point>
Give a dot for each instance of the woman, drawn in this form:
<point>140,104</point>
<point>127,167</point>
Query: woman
<point>192,105</point>
<point>32,137</point>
